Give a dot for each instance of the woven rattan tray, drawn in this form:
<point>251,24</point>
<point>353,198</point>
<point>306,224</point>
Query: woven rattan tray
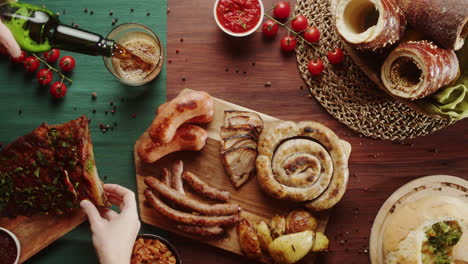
<point>347,92</point>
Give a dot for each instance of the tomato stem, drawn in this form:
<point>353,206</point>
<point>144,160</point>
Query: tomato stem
<point>297,34</point>
<point>52,68</point>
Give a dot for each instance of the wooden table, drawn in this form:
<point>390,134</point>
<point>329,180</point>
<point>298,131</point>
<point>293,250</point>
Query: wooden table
<point>201,56</point>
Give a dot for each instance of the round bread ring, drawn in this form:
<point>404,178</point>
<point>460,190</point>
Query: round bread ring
<point>329,192</point>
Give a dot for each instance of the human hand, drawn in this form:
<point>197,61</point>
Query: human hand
<point>114,233</point>
<point>8,41</point>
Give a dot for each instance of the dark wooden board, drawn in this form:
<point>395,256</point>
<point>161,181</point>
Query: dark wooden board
<point>207,164</point>
<point>39,231</point>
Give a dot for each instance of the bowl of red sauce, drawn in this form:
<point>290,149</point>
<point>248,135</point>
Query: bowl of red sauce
<point>9,247</point>
<point>238,18</point>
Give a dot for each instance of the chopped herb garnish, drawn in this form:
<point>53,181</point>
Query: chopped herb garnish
<point>37,172</point>
<point>18,169</point>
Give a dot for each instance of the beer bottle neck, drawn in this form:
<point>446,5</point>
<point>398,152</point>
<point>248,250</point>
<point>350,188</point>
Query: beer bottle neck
<point>81,41</point>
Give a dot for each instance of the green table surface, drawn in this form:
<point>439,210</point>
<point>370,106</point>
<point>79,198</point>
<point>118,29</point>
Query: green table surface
<point>19,92</point>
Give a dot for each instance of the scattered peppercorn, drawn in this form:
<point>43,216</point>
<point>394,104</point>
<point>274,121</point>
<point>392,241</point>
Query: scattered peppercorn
<point>177,51</point>
<point>93,95</point>
<point>111,13</point>
<point>169,61</point>
<point>253,63</point>
<point>183,79</point>
<point>92,12</point>
<point>20,112</point>
<point>148,14</point>
<point>86,10</point>
<point>267,84</point>
<point>168,10</point>
<point>74,108</point>
<point>181,40</point>
<point>106,112</point>
<point>245,72</point>
<point>105,177</point>
<point>131,10</point>
<point>94,111</point>
<point>111,103</point>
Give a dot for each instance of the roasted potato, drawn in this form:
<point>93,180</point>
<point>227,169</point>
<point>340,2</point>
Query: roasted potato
<point>291,248</point>
<point>263,234</point>
<point>300,220</point>
<point>320,243</point>
<point>248,239</point>
<point>277,226</point>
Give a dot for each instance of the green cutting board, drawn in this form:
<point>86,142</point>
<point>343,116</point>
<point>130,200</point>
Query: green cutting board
<point>24,105</point>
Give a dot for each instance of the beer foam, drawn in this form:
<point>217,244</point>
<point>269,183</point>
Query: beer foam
<point>143,46</point>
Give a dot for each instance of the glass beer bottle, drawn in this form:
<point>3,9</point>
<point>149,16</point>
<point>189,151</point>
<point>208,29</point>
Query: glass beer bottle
<point>37,29</point>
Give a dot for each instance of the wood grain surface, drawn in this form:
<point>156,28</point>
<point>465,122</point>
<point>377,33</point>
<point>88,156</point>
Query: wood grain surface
<point>206,163</point>
<point>377,168</point>
<point>39,231</point>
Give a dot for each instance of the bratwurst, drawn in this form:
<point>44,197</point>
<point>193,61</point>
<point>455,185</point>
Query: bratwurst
<point>189,203</point>
<point>176,112</point>
<point>187,218</point>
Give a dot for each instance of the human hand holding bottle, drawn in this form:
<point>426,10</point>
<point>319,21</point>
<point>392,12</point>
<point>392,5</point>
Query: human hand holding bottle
<point>8,41</point>
<point>114,233</point>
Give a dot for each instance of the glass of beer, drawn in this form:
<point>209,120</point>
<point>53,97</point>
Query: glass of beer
<point>138,56</point>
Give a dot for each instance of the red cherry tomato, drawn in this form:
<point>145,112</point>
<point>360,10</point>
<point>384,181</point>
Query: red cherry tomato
<point>299,23</point>
<point>19,59</point>
<point>44,77</point>
<point>315,67</point>
<point>31,64</point>
<point>270,28</point>
<point>58,90</point>
<point>288,43</point>
<point>312,34</point>
<point>282,10</point>
<point>336,56</point>
<point>52,55</point>
<point>67,63</point>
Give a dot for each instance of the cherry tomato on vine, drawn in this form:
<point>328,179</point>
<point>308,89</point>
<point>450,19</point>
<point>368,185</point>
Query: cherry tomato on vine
<point>52,55</point>
<point>270,28</point>
<point>20,58</point>
<point>336,56</point>
<point>44,77</point>
<point>315,67</point>
<point>31,64</point>
<point>288,43</point>
<point>58,90</point>
<point>311,34</point>
<point>299,23</point>
<point>282,10</point>
<point>67,63</point>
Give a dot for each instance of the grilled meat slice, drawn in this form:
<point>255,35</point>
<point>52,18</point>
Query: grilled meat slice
<point>239,164</point>
<point>238,141</point>
<point>49,170</point>
<point>232,118</point>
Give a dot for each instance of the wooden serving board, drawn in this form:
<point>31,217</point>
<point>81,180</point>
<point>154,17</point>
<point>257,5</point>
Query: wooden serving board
<point>423,187</point>
<point>37,232</point>
<point>370,63</point>
<point>207,165</point>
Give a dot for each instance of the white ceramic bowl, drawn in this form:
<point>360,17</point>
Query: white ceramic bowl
<point>18,246</point>
<point>243,34</point>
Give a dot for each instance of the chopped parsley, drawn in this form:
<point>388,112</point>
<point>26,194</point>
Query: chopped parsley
<point>441,237</point>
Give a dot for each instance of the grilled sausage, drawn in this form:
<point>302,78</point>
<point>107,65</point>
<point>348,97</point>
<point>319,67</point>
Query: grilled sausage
<point>177,170</point>
<point>187,202</point>
<point>187,218</point>
<point>204,189</point>
<point>188,137</point>
<point>201,230</point>
<point>176,112</point>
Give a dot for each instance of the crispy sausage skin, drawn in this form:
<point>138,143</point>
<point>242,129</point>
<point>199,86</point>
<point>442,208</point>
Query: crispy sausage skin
<point>204,189</point>
<point>174,113</point>
<point>177,183</point>
<point>187,137</point>
<point>201,230</point>
<point>189,203</point>
<point>187,218</point>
